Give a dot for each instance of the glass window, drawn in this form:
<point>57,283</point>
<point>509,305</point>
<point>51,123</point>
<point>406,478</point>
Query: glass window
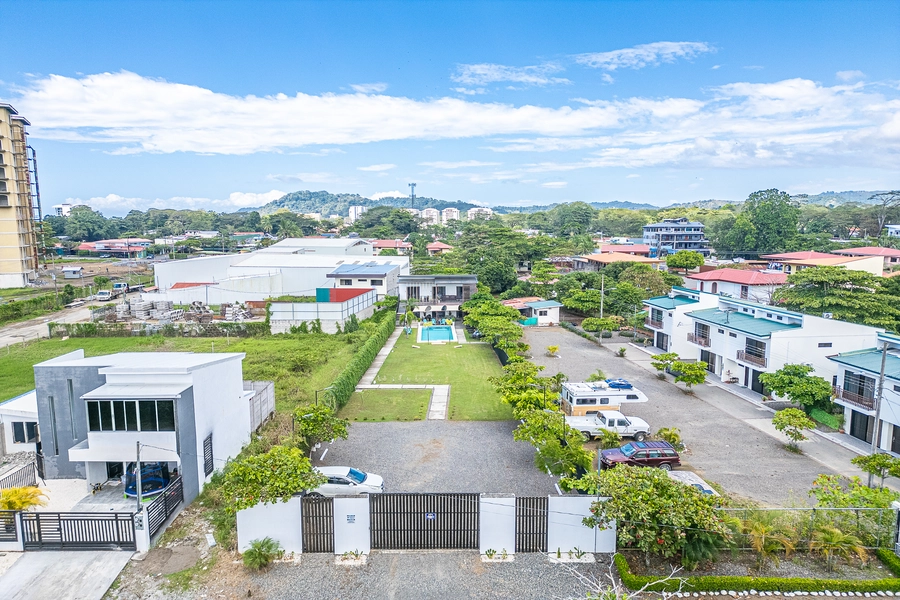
<point>131,421</point>
<point>166,411</point>
<point>148,415</point>
<point>628,450</point>
<point>106,417</point>
<point>631,397</point>
<point>356,476</point>
<point>654,454</point>
<point>346,282</point>
<point>119,415</point>
<point>730,334</point>
<point>824,344</point>
<point>18,432</point>
<point>587,401</point>
<point>377,282</point>
<point>93,410</point>
<point>72,409</point>
<point>31,431</point>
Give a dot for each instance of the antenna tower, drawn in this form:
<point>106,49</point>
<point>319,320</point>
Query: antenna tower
<point>412,195</point>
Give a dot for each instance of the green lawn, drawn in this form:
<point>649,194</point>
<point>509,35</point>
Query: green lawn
<point>298,365</point>
<point>466,369</point>
<point>387,405</point>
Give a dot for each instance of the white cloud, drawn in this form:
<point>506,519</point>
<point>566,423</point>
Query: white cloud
<point>369,88</point>
<point>305,178</point>
<point>114,204</point>
<point>754,67</point>
<point>850,75</point>
<point>715,67</point>
<point>462,164</point>
<point>644,55</point>
<point>393,194</point>
<point>376,168</point>
<point>553,185</point>
<point>485,73</point>
<point>469,92</point>
<point>632,176</point>
<point>322,152</point>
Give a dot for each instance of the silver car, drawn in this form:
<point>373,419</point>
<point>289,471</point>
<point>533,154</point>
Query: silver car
<point>347,481</point>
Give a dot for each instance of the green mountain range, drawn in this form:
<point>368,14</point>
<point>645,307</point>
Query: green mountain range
<point>327,204</point>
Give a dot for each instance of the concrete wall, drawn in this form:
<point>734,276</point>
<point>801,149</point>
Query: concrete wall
<point>284,315</point>
<point>351,525</point>
<point>565,531</point>
<point>206,268</point>
<point>281,521</point>
<point>497,522</point>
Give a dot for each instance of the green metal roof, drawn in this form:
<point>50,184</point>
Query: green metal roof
<point>870,360</point>
<point>739,321</point>
<point>666,303</point>
<point>544,304</point>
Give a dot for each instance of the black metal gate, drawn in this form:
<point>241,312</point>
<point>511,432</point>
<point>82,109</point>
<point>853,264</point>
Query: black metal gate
<point>163,506</point>
<point>424,521</point>
<point>78,531</point>
<point>318,524</point>
<point>9,529</point>
<point>531,524</point>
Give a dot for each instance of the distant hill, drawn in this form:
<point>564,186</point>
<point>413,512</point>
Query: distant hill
<point>326,203</point>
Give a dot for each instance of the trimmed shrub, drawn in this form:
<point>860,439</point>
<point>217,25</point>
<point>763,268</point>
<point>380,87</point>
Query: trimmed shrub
<point>345,383</point>
<point>261,553</point>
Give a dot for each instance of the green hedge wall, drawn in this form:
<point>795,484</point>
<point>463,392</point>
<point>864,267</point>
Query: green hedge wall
<point>21,309</point>
<point>762,584</point>
<point>345,384</point>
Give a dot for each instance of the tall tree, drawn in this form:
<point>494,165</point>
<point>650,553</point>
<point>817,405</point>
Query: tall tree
<point>684,260</point>
<point>775,218</point>
<point>885,204</point>
<point>854,296</point>
<point>795,383</point>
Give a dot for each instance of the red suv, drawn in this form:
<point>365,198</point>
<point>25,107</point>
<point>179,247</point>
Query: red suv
<point>642,454</point>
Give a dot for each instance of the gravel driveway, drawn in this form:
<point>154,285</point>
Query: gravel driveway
<point>723,433</point>
<point>442,456</point>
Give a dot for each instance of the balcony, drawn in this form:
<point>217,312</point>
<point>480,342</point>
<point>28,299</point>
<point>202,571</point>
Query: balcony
<point>698,339</point>
<point>651,323</point>
<point>744,356</point>
<point>858,400</point>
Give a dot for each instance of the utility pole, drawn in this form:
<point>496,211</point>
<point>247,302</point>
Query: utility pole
<point>137,473</point>
<point>602,292</point>
<point>876,427</point>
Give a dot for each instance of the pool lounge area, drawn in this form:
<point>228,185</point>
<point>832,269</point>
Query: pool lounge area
<point>436,333</point>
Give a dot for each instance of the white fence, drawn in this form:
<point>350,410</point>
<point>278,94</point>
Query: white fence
<point>262,404</point>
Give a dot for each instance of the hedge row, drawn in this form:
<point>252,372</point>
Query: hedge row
<point>84,330</point>
<point>762,584</point>
<point>345,383</point>
<point>20,309</point>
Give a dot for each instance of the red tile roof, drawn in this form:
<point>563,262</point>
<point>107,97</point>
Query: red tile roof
<point>870,251</point>
<point>626,248</point>
<point>805,255</point>
<point>741,276</point>
<point>188,284</point>
<point>381,244</point>
<point>438,246</point>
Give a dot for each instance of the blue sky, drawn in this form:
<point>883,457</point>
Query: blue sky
<point>223,105</point>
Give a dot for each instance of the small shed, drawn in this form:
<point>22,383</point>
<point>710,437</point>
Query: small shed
<point>73,272</point>
<point>545,311</point>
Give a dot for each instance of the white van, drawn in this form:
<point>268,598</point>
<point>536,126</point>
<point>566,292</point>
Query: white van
<point>581,399</point>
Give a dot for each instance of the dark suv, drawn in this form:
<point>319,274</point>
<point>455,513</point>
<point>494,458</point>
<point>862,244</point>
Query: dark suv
<point>642,454</point>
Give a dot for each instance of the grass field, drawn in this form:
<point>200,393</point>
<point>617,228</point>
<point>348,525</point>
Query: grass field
<point>298,365</point>
<point>387,405</point>
<point>466,369</point>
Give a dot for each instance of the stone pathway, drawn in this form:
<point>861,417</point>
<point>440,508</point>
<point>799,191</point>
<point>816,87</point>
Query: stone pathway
<point>440,394</point>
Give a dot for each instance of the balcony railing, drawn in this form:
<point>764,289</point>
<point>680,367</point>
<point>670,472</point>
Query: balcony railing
<point>862,401</point>
<point>744,356</point>
<point>651,323</point>
<point>698,339</point>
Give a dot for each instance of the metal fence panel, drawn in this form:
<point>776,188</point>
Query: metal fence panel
<point>424,521</point>
<point>531,524</point>
<point>21,477</point>
<point>78,531</point>
<point>9,531</point>
<point>318,524</point>
<point>163,506</point>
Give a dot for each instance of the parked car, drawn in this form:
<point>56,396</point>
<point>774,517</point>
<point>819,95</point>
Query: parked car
<point>347,481</point>
<point>611,420</point>
<point>642,454</point>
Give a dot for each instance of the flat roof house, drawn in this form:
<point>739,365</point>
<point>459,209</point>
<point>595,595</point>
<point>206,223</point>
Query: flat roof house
<point>382,277</point>
<point>667,321</point>
<point>189,411</point>
<point>595,262</point>
<point>18,424</point>
<point>794,262</point>
<point>891,256</point>
<point>436,295</point>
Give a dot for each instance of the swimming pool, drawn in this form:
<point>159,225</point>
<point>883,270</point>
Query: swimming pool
<point>437,333</point>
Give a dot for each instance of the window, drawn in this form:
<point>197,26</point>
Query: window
<point>53,425</point>
<point>24,432</point>
<point>769,315</point>
<point>72,408</point>
<point>148,415</point>
<point>362,280</point>
<point>721,330</point>
<point>824,344</point>
<point>542,313</point>
<point>346,282</point>
<point>165,410</point>
<point>730,334</point>
<point>632,397</point>
<point>897,388</point>
<point>207,455</point>
<point>128,415</point>
<point>781,318</point>
<point>376,282</point>
<point>586,401</point>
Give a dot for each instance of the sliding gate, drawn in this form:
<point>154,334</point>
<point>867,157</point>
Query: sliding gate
<point>78,531</point>
<point>424,521</point>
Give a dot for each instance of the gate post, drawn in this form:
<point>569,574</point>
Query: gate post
<point>352,525</point>
<point>141,532</point>
<point>497,523</point>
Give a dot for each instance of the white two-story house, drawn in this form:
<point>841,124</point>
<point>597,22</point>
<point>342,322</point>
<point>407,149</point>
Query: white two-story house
<point>757,286</point>
<point>188,411</point>
<point>668,321</point>
<point>856,389</point>
<point>740,340</point>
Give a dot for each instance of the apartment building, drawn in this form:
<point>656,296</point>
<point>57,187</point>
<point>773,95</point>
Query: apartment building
<point>479,212</point>
<point>667,319</point>
<point>18,239</point>
<point>449,214</point>
<point>356,212</point>
<point>671,235</point>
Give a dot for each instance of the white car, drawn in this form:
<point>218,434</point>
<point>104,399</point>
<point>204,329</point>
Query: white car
<point>347,481</point>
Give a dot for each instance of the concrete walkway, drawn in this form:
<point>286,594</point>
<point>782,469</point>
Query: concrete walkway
<point>440,394</point>
<point>82,575</point>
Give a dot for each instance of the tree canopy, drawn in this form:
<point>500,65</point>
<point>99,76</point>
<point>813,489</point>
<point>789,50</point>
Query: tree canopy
<point>795,383</point>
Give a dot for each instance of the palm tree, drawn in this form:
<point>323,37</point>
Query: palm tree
<point>21,498</point>
<point>833,543</point>
<point>767,537</point>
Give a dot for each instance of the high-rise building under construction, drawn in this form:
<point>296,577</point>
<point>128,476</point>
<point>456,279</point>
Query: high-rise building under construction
<point>19,202</point>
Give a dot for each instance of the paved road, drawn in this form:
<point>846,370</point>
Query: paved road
<point>730,440</point>
<point>84,575</point>
<point>34,329</point>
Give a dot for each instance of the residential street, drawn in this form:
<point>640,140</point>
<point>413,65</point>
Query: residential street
<point>36,328</point>
<point>730,440</point>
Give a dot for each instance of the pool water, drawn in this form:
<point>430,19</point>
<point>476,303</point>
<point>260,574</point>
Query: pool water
<point>436,333</point>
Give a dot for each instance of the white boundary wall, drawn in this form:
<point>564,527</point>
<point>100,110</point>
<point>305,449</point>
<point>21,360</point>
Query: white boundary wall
<point>565,530</point>
<point>497,523</point>
<point>351,525</point>
<point>281,521</point>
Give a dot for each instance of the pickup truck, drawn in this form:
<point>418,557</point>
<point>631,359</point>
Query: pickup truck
<point>610,420</point>
<point>121,287</point>
<point>106,295</point>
